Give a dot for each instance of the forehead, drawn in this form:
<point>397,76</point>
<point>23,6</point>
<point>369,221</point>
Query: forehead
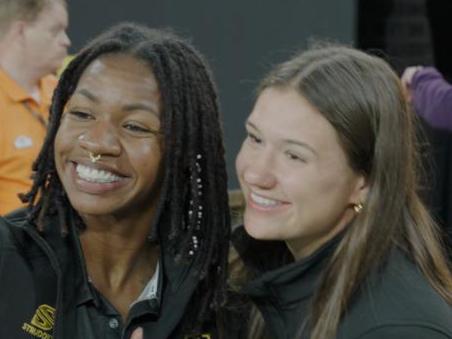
<point>284,114</point>
<point>285,108</point>
<point>119,70</point>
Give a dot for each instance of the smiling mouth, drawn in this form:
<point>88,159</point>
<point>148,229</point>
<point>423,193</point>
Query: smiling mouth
<point>95,175</point>
<point>264,202</point>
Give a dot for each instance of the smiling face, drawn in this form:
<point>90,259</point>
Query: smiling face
<point>294,174</point>
<point>114,115</point>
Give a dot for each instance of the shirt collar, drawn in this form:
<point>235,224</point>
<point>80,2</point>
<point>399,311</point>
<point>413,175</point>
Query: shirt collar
<point>87,293</point>
<point>18,94</point>
<point>12,88</point>
<point>151,291</point>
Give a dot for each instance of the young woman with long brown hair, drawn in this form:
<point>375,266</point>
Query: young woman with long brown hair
<point>336,241</point>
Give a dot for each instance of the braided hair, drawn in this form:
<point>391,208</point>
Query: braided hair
<point>193,205</point>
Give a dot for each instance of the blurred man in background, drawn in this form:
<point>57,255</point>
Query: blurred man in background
<point>33,44</point>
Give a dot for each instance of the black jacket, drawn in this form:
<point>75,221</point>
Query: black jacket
<point>395,302</point>
<point>43,282</point>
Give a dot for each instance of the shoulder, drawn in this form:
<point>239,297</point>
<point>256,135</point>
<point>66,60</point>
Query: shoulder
<point>405,331</point>
<point>10,239</point>
<point>4,231</point>
<point>398,298</point>
<point>426,74</point>
<point>12,226</point>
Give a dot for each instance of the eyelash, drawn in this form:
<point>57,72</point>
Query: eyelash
<point>253,138</point>
<point>295,157</point>
<point>80,115</point>
<point>291,156</point>
<point>129,126</point>
<point>136,128</point>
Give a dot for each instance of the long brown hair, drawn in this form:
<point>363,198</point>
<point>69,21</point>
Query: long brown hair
<point>362,98</point>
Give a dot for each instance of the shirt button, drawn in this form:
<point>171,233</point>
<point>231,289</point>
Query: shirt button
<point>113,323</point>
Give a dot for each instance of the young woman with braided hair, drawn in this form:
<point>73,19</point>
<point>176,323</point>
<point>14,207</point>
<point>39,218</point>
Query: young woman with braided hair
<point>120,236</point>
<point>336,242</point>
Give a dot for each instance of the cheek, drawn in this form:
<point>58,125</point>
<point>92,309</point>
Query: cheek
<point>65,141</point>
<point>240,161</point>
<point>306,183</point>
<point>59,146</point>
<point>332,190</point>
<point>147,159</point>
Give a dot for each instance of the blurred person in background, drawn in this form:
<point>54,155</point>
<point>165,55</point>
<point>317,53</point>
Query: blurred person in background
<point>33,44</point>
<point>430,95</point>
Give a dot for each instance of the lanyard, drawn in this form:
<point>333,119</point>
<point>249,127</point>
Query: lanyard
<point>35,114</point>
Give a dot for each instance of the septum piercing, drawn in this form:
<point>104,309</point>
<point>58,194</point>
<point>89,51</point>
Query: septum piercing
<point>94,158</point>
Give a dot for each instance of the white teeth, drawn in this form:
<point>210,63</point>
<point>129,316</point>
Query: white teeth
<point>94,175</point>
<point>263,201</point>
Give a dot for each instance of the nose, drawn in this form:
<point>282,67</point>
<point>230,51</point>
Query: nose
<point>101,139</point>
<point>65,41</point>
<point>259,171</point>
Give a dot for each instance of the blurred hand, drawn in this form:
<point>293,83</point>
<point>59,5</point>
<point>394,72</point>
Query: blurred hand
<point>407,77</point>
<point>408,73</point>
<point>137,334</point>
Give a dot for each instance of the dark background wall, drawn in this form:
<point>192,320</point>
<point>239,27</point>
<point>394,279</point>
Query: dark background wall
<point>240,39</point>
<point>417,32</point>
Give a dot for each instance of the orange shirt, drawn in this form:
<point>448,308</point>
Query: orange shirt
<point>21,136</point>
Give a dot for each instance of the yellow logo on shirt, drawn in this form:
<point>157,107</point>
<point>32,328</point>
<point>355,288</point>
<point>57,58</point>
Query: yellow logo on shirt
<point>42,321</point>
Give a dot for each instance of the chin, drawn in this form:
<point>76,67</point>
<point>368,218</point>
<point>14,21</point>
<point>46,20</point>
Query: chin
<point>259,232</point>
<point>86,210</point>
<point>84,207</point>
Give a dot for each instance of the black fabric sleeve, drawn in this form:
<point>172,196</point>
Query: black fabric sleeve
<point>406,332</point>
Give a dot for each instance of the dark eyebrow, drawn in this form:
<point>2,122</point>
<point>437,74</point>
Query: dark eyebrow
<point>288,141</point>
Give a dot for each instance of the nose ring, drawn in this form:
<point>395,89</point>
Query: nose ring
<point>94,158</point>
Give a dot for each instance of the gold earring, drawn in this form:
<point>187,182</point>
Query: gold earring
<point>358,207</point>
<point>94,158</point>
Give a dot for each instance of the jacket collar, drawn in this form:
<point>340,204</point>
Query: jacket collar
<point>288,281</point>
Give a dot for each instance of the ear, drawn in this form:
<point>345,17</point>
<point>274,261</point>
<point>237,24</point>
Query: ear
<point>360,191</point>
<point>16,31</point>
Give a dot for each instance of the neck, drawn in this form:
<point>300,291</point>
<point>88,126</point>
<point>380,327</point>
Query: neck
<point>20,73</point>
<point>117,251</point>
<point>305,246</point>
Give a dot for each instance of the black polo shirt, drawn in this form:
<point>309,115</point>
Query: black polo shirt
<point>45,290</point>
<point>97,318</point>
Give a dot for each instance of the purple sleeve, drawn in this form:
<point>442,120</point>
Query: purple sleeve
<point>432,97</point>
